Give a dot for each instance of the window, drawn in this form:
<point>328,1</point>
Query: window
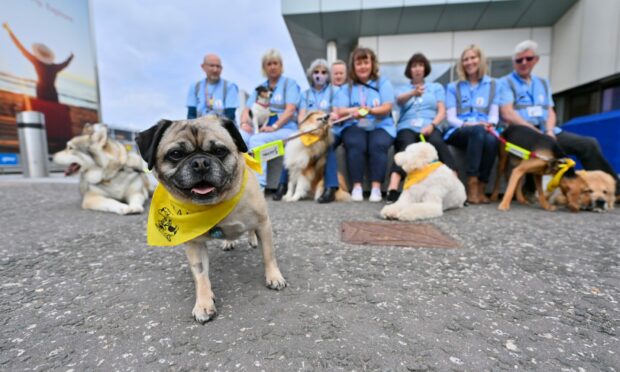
<point>611,99</point>
<point>500,67</point>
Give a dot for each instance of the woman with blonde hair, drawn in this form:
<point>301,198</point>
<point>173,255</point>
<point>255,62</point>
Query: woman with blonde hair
<point>472,108</point>
<point>282,106</point>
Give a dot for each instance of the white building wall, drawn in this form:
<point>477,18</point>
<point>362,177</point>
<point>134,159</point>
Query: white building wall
<point>586,44</point>
<point>446,46</point>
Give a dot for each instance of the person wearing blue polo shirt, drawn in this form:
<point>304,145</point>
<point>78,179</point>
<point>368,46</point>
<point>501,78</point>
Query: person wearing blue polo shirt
<point>212,95</point>
<point>526,100</point>
<point>283,106</point>
<point>472,107</point>
<point>370,133</point>
<point>319,97</point>
<point>422,109</point>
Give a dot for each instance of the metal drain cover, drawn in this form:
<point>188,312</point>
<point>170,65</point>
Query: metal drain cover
<point>395,233</point>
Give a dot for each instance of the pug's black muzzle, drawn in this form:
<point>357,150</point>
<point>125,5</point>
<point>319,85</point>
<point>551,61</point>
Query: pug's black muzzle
<point>201,171</point>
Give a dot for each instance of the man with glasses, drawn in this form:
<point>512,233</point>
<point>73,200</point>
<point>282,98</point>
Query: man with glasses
<point>525,99</point>
<point>212,95</point>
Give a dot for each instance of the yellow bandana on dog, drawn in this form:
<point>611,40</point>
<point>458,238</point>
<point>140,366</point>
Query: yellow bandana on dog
<point>562,168</point>
<point>172,222</point>
<point>419,175</point>
<point>309,139</point>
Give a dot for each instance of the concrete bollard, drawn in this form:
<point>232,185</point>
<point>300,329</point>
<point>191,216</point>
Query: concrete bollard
<point>32,144</point>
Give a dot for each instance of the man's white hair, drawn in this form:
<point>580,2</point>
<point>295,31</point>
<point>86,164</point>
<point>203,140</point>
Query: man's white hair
<point>526,45</point>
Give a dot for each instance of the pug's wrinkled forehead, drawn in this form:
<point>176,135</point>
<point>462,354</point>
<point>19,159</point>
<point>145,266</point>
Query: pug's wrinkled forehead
<point>201,133</point>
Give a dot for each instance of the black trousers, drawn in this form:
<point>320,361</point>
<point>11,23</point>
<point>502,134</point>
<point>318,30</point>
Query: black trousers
<point>406,137</point>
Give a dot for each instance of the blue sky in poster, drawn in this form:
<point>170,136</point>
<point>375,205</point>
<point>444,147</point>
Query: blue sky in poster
<point>149,52</point>
<point>63,26</point>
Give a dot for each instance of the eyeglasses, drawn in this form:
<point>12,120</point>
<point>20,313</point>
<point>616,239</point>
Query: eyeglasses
<point>320,72</point>
<point>520,60</point>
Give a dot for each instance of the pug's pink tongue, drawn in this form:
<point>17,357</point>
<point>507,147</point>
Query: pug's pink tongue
<point>202,190</point>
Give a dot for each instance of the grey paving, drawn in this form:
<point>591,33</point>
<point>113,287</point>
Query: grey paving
<point>528,290</point>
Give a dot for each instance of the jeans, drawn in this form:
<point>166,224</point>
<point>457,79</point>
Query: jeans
<point>362,146</point>
<point>480,147</point>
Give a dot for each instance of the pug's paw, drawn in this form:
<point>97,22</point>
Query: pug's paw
<point>204,311</point>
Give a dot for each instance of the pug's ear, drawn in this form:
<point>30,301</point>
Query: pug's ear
<point>234,133</point>
<point>148,141</point>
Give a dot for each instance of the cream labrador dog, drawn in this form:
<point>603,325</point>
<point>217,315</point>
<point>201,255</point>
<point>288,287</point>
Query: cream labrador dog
<point>200,166</point>
<point>437,188</point>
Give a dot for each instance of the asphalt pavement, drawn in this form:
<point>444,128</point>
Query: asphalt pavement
<point>527,290</point>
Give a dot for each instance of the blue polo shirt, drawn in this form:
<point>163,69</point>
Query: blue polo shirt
<point>475,101</point>
<point>418,112</point>
<point>315,100</point>
<point>209,98</point>
<point>361,95</point>
<point>280,98</point>
<point>530,100</point>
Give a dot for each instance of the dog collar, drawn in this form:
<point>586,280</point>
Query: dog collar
<point>172,222</point>
<point>562,168</point>
<point>418,175</point>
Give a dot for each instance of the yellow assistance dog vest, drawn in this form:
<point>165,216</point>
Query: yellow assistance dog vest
<point>172,222</point>
<point>419,175</point>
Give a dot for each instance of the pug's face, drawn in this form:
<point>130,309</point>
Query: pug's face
<point>198,161</point>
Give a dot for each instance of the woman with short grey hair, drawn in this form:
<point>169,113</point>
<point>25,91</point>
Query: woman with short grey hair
<point>319,97</point>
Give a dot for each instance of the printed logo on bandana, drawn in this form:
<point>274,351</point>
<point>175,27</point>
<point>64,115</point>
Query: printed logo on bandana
<point>277,97</point>
<point>479,101</point>
<point>165,225</point>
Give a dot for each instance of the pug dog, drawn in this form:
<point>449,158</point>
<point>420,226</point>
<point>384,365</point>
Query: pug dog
<point>201,162</point>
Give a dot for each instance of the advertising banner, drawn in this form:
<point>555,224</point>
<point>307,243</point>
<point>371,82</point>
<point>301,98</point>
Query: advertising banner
<point>47,64</point>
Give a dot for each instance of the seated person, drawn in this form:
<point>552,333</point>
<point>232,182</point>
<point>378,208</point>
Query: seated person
<point>526,100</point>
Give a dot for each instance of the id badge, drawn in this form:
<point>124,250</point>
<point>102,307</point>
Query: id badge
<point>417,123</point>
<point>535,111</point>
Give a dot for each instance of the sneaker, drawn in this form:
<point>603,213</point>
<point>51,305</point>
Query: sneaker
<point>357,194</point>
<point>392,196</point>
<point>375,195</point>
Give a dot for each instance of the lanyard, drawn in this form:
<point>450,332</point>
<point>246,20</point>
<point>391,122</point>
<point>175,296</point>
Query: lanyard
<point>209,101</point>
<point>362,95</point>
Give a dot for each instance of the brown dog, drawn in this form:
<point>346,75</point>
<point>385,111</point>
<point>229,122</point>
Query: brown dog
<point>550,159</point>
<point>599,195</point>
<point>200,164</point>
<point>306,162</point>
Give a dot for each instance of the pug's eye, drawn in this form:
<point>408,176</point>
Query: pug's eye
<point>605,192</point>
<point>220,152</point>
<point>175,155</point>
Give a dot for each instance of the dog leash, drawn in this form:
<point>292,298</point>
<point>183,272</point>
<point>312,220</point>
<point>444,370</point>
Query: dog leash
<point>517,150</point>
<point>275,149</point>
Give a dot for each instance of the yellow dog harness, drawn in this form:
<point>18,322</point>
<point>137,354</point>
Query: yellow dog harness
<point>562,168</point>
